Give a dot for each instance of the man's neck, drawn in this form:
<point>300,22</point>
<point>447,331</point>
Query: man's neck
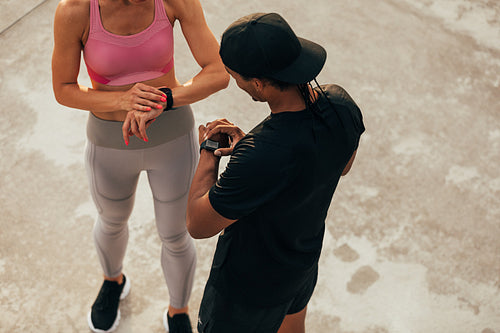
<point>290,100</point>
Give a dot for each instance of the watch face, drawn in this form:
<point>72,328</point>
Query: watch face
<point>212,144</point>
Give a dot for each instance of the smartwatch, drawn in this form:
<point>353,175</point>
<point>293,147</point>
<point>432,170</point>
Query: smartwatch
<point>209,145</point>
<point>170,99</point>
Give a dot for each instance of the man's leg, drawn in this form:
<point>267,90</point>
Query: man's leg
<point>294,323</point>
<point>220,315</point>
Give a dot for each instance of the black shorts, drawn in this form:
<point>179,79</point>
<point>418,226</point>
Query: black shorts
<point>219,315</point>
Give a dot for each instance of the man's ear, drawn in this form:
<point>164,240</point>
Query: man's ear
<point>258,84</point>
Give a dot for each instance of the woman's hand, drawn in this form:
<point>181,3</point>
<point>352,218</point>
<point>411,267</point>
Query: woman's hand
<point>142,97</point>
<point>136,123</point>
<point>144,103</point>
<point>221,127</point>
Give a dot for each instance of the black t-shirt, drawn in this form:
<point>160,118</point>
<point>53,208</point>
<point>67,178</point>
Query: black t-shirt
<point>279,184</point>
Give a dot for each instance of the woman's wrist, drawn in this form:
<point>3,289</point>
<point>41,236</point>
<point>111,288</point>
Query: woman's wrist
<point>170,99</point>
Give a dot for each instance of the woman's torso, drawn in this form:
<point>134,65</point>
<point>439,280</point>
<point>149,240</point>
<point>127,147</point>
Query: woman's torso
<point>121,22</point>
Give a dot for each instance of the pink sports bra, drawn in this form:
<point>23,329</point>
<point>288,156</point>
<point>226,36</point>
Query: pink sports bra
<point>118,60</point>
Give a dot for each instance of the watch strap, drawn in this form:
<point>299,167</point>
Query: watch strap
<point>170,99</point>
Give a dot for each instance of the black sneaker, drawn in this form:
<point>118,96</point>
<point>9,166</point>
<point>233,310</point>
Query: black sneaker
<point>105,314</point>
<point>179,323</point>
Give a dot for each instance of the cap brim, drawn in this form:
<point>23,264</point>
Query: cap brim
<point>307,65</point>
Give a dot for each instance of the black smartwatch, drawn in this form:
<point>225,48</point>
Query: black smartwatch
<point>170,99</point>
<point>209,145</point>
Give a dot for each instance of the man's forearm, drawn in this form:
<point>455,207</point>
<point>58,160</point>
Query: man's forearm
<point>205,176</point>
<point>202,220</point>
<point>198,219</point>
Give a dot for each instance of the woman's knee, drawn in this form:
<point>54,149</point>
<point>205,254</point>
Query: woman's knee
<point>115,211</point>
<point>177,244</point>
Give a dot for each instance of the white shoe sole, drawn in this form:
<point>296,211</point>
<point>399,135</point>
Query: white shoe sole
<point>96,330</point>
<point>165,320</point>
<point>125,292</point>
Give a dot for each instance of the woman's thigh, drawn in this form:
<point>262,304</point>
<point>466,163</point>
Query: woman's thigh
<point>170,171</point>
<point>112,173</point>
<point>171,167</point>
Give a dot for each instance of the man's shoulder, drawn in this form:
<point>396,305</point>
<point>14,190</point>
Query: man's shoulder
<point>350,115</point>
<point>337,95</point>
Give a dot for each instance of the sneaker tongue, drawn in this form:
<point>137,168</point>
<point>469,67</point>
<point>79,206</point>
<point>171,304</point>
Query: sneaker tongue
<point>108,295</point>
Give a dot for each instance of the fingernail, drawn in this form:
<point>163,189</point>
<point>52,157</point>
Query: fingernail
<point>148,109</point>
<point>217,153</point>
<point>163,99</point>
<point>145,139</point>
<point>159,106</point>
<point>126,142</point>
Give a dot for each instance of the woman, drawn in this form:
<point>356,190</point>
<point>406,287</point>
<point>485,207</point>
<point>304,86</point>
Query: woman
<point>128,49</point>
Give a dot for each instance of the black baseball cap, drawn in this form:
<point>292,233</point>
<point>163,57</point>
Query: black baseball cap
<point>264,45</point>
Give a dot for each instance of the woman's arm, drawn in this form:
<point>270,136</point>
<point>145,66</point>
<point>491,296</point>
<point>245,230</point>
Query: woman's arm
<point>71,23</point>
<point>205,49</point>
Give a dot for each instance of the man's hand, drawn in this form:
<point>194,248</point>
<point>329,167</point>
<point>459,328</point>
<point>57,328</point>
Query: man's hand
<point>218,130</point>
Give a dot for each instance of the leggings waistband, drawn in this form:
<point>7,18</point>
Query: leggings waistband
<point>168,126</point>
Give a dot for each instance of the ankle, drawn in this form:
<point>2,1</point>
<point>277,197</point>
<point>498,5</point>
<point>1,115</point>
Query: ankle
<point>174,311</point>
<point>118,279</point>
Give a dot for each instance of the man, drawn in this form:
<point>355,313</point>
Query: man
<point>272,199</point>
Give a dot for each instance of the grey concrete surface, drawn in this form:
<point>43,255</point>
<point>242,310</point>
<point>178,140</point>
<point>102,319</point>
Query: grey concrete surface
<point>412,241</point>
<point>12,11</point>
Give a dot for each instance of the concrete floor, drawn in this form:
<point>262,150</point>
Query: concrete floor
<point>412,244</point>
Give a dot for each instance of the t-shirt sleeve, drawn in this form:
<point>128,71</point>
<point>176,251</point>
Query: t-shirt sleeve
<point>358,125</point>
<point>255,174</point>
<point>352,117</point>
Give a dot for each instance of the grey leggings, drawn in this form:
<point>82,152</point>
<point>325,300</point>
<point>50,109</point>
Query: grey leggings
<point>113,174</point>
